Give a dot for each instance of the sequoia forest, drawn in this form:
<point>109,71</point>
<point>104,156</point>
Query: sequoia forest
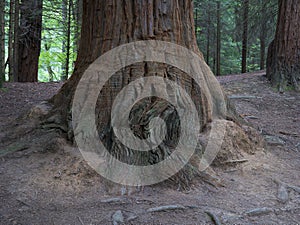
<point>149,112</point>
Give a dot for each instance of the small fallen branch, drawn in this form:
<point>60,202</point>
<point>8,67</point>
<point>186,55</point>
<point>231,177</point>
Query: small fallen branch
<point>289,134</point>
<point>214,218</point>
<point>244,97</point>
<point>236,161</point>
<point>80,220</point>
<point>114,200</point>
<point>166,208</point>
<point>259,211</point>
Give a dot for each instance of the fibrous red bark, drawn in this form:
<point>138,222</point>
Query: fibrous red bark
<point>283,63</point>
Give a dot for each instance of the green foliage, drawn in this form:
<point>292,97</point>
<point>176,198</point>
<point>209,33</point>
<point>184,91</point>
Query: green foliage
<point>53,55</point>
<point>262,21</point>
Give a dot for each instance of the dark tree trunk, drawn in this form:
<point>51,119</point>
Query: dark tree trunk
<point>218,60</point>
<point>208,35</point>
<point>245,35</point>
<point>2,42</point>
<point>11,71</point>
<point>65,37</point>
<point>262,51</point>
<point>68,36</point>
<point>29,40</point>
<point>262,37</point>
<point>283,63</point>
<point>16,39</point>
<point>78,23</point>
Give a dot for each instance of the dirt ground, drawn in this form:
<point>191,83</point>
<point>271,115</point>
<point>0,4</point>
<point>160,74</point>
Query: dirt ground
<point>40,185</point>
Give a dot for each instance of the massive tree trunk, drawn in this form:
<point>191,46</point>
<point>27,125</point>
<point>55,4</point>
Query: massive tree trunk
<point>283,64</point>
<point>125,22</point>
<point>30,40</point>
<point>108,24</point>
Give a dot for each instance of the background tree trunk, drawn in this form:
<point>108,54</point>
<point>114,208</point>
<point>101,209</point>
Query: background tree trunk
<point>283,64</point>
<point>218,60</point>
<point>262,36</point>
<point>208,35</point>
<point>12,71</point>
<point>245,35</point>
<point>29,40</point>
<point>16,39</point>
<point>78,20</point>
<point>64,42</point>
<point>2,42</point>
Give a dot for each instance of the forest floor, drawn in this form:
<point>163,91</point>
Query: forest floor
<point>40,185</point>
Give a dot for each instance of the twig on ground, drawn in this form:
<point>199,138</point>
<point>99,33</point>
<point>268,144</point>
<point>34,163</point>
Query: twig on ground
<point>244,97</point>
<point>80,220</point>
<point>214,218</point>
<point>289,134</point>
<point>114,200</point>
<point>236,161</point>
<point>259,211</point>
<point>165,208</point>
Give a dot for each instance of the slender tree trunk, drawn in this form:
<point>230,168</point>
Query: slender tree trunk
<point>245,35</point>
<point>2,42</point>
<point>29,40</point>
<point>283,63</point>
<point>262,36</point>
<point>78,23</point>
<point>64,42</point>
<point>218,60</point>
<point>16,39</point>
<point>11,40</point>
<point>68,39</point>
<point>208,35</point>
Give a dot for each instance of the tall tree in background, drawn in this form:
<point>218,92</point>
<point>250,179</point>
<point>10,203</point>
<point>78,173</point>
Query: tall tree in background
<point>2,42</point>
<point>245,35</point>
<point>218,58</point>
<point>11,40</point>
<point>262,36</point>
<point>77,11</point>
<point>283,64</point>
<point>15,59</point>
<point>29,44</point>
<point>208,36</point>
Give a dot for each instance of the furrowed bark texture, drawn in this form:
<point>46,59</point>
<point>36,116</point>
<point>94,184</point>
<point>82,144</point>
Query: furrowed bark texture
<point>110,23</point>
<point>283,63</point>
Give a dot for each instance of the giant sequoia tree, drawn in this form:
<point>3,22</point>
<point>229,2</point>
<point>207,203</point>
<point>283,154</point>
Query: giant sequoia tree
<point>283,64</point>
<point>107,24</point>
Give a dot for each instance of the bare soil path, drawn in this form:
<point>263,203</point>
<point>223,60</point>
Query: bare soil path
<point>40,185</point>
